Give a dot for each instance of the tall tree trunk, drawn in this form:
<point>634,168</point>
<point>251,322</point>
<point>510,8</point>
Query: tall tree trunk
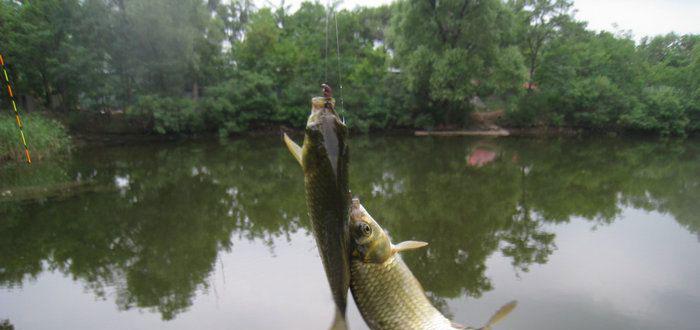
<point>47,91</point>
<point>533,65</point>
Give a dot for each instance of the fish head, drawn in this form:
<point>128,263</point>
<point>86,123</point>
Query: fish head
<point>325,130</point>
<point>321,107</point>
<point>371,242</point>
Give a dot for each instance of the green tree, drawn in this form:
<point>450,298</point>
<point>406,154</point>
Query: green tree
<point>446,50</point>
<point>54,51</point>
<point>588,80</point>
<point>539,22</point>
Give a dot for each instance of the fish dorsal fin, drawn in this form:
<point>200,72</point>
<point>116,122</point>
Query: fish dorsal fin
<point>294,148</point>
<point>501,314</point>
<point>407,245</point>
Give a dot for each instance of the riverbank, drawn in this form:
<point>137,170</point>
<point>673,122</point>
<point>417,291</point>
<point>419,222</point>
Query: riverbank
<point>108,125</point>
<point>49,135</point>
<point>513,131</point>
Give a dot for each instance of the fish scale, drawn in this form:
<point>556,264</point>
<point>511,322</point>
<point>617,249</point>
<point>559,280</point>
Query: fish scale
<point>325,164</point>
<point>389,297</point>
<point>387,294</point>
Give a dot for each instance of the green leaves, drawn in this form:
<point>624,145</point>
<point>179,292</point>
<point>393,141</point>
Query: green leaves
<point>236,104</point>
<point>45,137</point>
<point>169,115</point>
<point>229,67</point>
<point>662,110</point>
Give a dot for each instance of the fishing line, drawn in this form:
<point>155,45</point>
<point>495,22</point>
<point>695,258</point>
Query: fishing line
<point>14,107</point>
<point>328,14</point>
<point>340,76</point>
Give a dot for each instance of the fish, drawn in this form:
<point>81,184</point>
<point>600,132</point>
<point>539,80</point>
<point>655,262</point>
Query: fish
<point>405,306</point>
<point>324,160</point>
<point>387,294</point>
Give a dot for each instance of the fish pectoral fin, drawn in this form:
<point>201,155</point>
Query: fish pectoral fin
<point>294,148</point>
<point>501,313</point>
<point>407,245</point>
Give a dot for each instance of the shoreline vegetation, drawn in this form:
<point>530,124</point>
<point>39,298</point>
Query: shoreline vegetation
<point>194,67</point>
<point>46,137</point>
<point>51,138</point>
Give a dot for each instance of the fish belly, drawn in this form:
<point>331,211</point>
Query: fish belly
<point>389,297</point>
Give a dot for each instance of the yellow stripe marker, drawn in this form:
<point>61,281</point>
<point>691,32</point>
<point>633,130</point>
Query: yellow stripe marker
<point>14,107</point>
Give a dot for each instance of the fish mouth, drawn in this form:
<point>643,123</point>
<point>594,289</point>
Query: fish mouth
<point>356,210</point>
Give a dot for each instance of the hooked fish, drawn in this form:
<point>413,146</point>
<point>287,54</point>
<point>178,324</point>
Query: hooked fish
<point>324,160</point>
<point>387,294</point>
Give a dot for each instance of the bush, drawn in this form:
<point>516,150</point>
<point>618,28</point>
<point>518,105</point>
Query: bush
<point>596,102</point>
<point>234,105</point>
<point>169,115</point>
<point>45,137</point>
<point>532,110</point>
<point>662,109</point>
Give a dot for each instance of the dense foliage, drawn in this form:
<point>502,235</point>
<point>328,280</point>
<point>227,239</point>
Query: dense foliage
<point>47,137</point>
<point>192,65</point>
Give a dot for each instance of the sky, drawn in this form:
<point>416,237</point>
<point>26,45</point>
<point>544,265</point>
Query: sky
<point>642,17</point>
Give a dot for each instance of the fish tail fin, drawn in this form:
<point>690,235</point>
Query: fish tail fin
<point>294,148</point>
<point>339,321</point>
<point>500,314</point>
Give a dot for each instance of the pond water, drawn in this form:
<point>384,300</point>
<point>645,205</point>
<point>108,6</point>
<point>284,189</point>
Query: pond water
<point>589,233</point>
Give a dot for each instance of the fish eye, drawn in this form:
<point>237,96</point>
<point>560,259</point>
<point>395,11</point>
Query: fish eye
<point>365,229</point>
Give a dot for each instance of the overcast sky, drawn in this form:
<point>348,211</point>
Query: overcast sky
<point>642,17</point>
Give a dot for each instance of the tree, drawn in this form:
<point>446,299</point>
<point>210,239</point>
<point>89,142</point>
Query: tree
<point>539,21</point>
<point>446,50</point>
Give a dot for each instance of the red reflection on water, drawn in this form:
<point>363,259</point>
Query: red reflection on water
<point>480,157</point>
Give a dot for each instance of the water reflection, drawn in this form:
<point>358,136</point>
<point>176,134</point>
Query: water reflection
<point>163,213</point>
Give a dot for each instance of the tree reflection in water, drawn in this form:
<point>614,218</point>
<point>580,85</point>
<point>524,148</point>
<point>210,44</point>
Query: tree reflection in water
<point>155,238</point>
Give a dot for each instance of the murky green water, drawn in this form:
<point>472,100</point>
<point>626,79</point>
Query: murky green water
<point>585,233</point>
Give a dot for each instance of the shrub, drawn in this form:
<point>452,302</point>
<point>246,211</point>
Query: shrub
<point>597,102</point>
<point>234,105</point>
<point>45,137</point>
<point>532,109</point>
<point>169,115</point>
<point>662,109</point>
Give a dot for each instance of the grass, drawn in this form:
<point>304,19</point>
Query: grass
<point>45,137</point>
